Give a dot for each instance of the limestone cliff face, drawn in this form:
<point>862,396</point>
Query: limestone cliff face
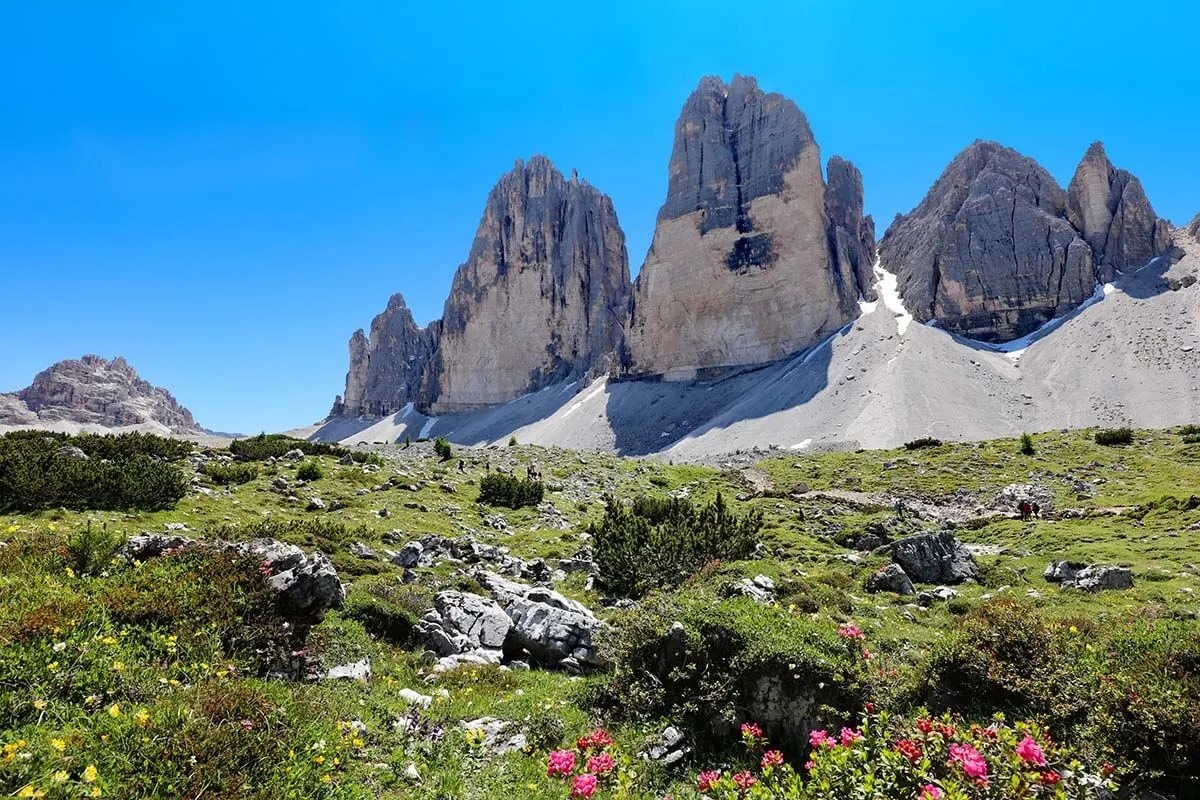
<point>541,298</point>
<point>92,390</point>
<point>745,266</point>
<point>852,235</point>
<point>989,253</point>
<point>542,295</point>
<point>1109,207</point>
<point>387,370</point>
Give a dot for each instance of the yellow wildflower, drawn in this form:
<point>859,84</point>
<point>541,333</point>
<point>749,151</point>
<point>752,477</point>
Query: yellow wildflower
<point>319,759</point>
<point>118,666</point>
<point>95,792</point>
<point>29,790</point>
<point>53,665</point>
<point>114,710</point>
<point>90,773</point>
<point>70,574</point>
<point>60,777</point>
<point>58,744</point>
<point>142,718</point>
<point>108,640</point>
<point>326,778</point>
<point>39,704</point>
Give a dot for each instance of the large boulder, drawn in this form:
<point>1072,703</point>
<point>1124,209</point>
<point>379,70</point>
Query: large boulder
<point>463,623</point>
<point>151,545</point>
<point>306,585</point>
<point>935,558</point>
<point>891,578</point>
<point>556,630</point>
<point>1090,579</point>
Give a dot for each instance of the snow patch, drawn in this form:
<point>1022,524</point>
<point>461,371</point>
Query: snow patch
<point>887,287</point>
<point>801,445</point>
<point>1015,348</point>
<point>596,388</point>
<point>426,428</point>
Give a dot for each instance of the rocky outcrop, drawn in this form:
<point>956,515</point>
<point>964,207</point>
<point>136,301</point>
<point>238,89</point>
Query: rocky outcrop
<point>554,629</point>
<point>388,369</point>
<point>989,253</point>
<point>1088,578</point>
<point>891,578</point>
<point>94,391</point>
<point>542,295</point>
<point>1109,207</point>
<point>746,264</point>
<point>852,234</point>
<point>1193,227</point>
<point>935,558</point>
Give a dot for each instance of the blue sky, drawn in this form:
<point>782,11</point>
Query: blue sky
<point>222,192</point>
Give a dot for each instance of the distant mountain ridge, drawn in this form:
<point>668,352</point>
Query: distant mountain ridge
<point>93,392</point>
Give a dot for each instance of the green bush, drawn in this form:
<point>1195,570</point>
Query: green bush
<point>1189,430</point>
<point>1192,438</point>
<point>1114,436</point>
<point>1027,448</point>
<point>92,549</point>
<point>922,443</point>
<point>123,472</point>
<point>512,441</point>
<point>498,489</point>
<point>712,669</point>
<point>443,449</point>
<point>274,445</point>
<point>226,474</point>
<point>386,608</point>
<point>660,542</point>
<point>310,470</point>
<point>1122,693</point>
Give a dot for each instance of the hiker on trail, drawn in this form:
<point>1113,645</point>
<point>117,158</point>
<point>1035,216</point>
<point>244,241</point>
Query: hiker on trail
<point>1037,510</point>
<point>462,465</point>
<point>1025,510</point>
<point>898,507</point>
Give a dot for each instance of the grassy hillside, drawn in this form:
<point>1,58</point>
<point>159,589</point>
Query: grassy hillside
<point>150,680</point>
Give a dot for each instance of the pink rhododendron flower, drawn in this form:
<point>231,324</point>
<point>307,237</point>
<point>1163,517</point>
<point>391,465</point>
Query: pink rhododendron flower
<point>849,630</point>
<point>1031,752</point>
<point>744,780</point>
<point>970,759</point>
<point>562,763</point>
<point>706,780</point>
<point>601,764</point>
<point>583,786</point>
<point>772,758</point>
<point>924,726</point>
<point>930,792</point>
<point>909,749</point>
<point>849,736</point>
<point>751,729</point>
<point>1050,777</point>
<point>818,738</point>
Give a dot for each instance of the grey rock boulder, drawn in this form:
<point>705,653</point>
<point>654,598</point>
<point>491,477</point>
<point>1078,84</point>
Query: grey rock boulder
<point>71,453</point>
<point>355,671</point>
<point>935,558</point>
<point>462,622</point>
<point>891,578</point>
<point>306,585</point>
<point>1088,578</point>
<point>551,627</point>
<point>409,555</point>
<point>151,545</point>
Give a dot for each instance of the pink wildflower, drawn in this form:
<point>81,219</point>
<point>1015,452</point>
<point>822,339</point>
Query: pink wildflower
<point>1031,752</point>
<point>849,630</point>
<point>744,780</point>
<point>909,749</point>
<point>751,729</point>
<point>583,786</point>
<point>772,758</point>
<point>849,736</point>
<point>818,738</point>
<point>930,792</point>
<point>971,761</point>
<point>706,780</point>
<point>601,764</point>
<point>1049,778</point>
<point>561,763</point>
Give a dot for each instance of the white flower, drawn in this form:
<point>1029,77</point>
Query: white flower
<point>59,647</point>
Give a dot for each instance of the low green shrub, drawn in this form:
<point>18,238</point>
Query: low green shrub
<point>226,474</point>
<point>1114,437</point>
<point>386,608</point>
<point>922,443</point>
<point>660,542</point>
<point>274,445</point>
<point>1189,430</point>
<point>1027,448</point>
<point>121,473</point>
<point>499,489</point>
<point>443,449</point>
<point>712,671</point>
<point>1192,438</point>
<point>310,470</point>
<point>91,549</point>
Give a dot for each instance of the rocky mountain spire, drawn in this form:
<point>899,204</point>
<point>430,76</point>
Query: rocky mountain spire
<point>1109,207</point>
<point>989,253</point>
<point>852,235</point>
<point>95,391</point>
<point>387,369</point>
<point>744,266</point>
<point>542,296</point>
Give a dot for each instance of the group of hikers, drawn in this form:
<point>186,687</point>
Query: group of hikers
<point>1025,508</point>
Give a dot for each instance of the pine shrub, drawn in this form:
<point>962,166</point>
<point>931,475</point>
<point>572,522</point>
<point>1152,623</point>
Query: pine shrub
<point>498,489</point>
<point>1114,437</point>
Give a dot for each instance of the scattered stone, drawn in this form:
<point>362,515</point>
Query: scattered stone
<point>409,555</point>
<point>667,748</point>
<point>363,551</point>
<point>414,698</point>
<point>315,504</point>
<point>499,736</point>
<point>1091,579</point>
<point>935,558</point>
<point>358,671</point>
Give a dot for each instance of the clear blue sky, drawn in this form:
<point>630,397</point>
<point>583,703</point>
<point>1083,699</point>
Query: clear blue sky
<point>222,192</point>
